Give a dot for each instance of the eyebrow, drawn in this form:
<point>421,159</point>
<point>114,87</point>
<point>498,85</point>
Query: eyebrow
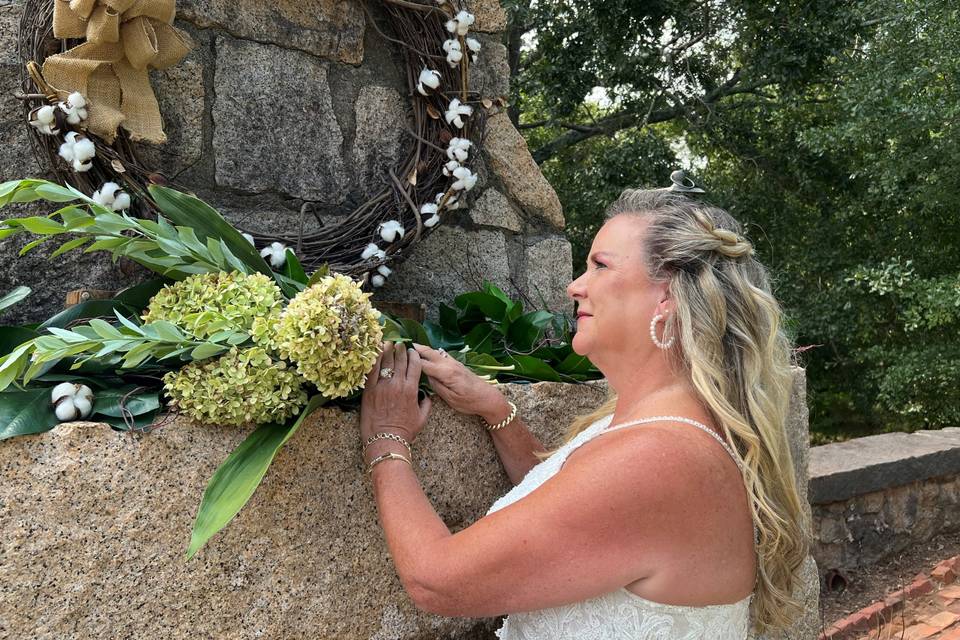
<point>599,253</point>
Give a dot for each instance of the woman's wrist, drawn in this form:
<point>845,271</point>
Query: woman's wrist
<point>498,412</point>
<point>381,447</point>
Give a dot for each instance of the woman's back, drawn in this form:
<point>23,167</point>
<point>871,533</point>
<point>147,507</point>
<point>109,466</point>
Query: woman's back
<point>621,613</point>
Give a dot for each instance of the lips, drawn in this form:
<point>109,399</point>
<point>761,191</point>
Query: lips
<point>583,315</point>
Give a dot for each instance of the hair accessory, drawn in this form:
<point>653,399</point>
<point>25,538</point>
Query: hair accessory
<point>386,436</point>
<point>387,456</point>
<point>682,183</point>
<point>505,421</point>
<point>653,333</point>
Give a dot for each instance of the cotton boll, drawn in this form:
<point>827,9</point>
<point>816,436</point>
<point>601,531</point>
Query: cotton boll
<point>384,270</point>
<point>431,221</point>
<point>455,110</point>
<point>474,46</point>
<point>82,166</point>
<point>66,150</point>
<point>465,179</point>
<point>121,202</point>
<point>83,406</point>
<point>464,20</point>
<point>390,229</point>
<point>428,78</point>
<point>85,149</point>
<point>63,389</point>
<point>370,250</point>
<point>428,208</point>
<point>450,167</point>
<point>454,52</point>
<point>249,238</point>
<point>66,411</point>
<point>276,252</point>
<point>458,149</point>
<point>377,280</point>
<point>77,100</point>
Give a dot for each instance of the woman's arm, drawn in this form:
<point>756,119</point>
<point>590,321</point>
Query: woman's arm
<point>514,443</point>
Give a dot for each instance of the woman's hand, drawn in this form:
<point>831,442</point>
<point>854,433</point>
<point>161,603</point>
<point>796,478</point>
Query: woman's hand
<point>389,403</point>
<point>461,388</point>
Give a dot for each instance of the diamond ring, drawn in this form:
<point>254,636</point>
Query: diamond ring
<point>445,354</point>
<point>386,373</point>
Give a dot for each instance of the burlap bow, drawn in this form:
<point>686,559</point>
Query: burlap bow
<point>125,38</point>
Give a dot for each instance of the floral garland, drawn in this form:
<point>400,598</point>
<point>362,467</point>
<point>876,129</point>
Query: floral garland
<point>432,180</point>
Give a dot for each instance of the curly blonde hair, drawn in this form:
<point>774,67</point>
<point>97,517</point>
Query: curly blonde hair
<point>733,350</point>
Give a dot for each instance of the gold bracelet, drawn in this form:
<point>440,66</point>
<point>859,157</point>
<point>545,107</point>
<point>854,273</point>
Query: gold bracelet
<point>505,421</point>
<point>387,456</point>
<point>384,435</point>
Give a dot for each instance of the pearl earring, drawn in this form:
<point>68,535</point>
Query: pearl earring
<point>653,333</point>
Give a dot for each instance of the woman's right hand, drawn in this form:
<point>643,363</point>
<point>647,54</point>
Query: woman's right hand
<point>460,388</point>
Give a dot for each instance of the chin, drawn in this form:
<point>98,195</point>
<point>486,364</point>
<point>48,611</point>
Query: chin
<point>580,345</point>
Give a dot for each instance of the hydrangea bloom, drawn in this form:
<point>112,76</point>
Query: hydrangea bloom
<point>205,303</point>
<point>332,332</point>
<point>244,386</point>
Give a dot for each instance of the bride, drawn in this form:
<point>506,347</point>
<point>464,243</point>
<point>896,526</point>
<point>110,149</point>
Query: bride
<point>672,510</point>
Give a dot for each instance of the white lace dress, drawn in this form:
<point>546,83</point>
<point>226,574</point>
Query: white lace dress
<point>621,614</point>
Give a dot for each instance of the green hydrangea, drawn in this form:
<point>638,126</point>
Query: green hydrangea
<point>332,333</point>
<point>243,386</point>
<point>206,303</point>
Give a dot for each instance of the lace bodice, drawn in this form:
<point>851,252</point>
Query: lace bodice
<point>621,614</point>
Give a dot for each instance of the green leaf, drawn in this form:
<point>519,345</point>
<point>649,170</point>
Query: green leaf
<point>491,306</point>
<point>107,402</point>
<point>415,331</point>
<point>69,245</point>
<point>188,211</point>
<point>54,192</point>
<point>104,329</point>
<point>575,364</point>
<point>238,477</point>
<point>138,296</point>
<point>13,297</point>
<point>88,309</point>
<point>293,269</point>
<point>13,337</point>
<point>207,350</point>
<point>139,422</point>
<point>40,225</point>
<point>526,330</point>
<point>25,412</point>
<point>393,331</point>
<point>533,369</point>
<point>480,338</point>
<point>322,272</point>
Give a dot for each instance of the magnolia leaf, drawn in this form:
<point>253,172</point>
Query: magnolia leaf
<point>13,297</point>
<point>25,412</point>
<point>111,402</point>
<point>238,477</point>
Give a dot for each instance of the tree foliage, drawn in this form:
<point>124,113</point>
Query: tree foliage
<point>841,165</point>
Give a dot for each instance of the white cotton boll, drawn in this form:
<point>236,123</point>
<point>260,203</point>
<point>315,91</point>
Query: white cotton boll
<point>428,78</point>
<point>455,110</point>
<point>77,100</point>
<point>384,270</point>
<point>63,389</point>
<point>66,411</point>
<point>474,47</point>
<point>370,250</point>
<point>277,254</point>
<point>84,149</point>
<point>249,238</point>
<point>451,203</point>
<point>389,230</point>
<point>464,20</point>
<point>45,114</point>
<point>109,190</point>
<point>79,165</point>
<point>66,151</point>
<point>428,208</point>
<point>431,221</point>
<point>458,149</point>
<point>452,26</point>
<point>121,202</point>
<point>377,280</point>
<point>83,406</point>
<point>450,167</point>
<point>465,179</point>
<point>454,52</point>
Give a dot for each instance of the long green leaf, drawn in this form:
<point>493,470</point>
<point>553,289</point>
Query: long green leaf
<point>187,211</point>
<point>107,402</point>
<point>13,297</point>
<point>88,309</point>
<point>238,477</point>
<point>25,412</point>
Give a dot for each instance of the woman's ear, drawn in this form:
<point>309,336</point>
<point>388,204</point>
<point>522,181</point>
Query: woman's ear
<point>665,303</point>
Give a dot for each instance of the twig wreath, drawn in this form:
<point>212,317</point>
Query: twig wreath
<point>88,138</point>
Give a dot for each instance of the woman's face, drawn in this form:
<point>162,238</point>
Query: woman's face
<point>615,298</point>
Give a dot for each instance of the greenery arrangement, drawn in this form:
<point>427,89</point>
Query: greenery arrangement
<point>221,338</point>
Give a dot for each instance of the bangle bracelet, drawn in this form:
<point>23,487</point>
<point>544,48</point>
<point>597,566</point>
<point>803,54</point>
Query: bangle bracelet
<point>505,421</point>
<point>387,456</point>
<point>384,435</point>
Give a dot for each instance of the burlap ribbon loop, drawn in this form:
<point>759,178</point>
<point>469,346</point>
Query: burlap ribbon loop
<point>125,38</point>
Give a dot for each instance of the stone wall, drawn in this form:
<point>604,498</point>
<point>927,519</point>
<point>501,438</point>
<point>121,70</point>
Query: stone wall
<point>96,523</point>
<point>876,496</point>
<point>282,103</point>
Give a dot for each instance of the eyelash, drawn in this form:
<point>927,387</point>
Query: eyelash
<point>598,264</point>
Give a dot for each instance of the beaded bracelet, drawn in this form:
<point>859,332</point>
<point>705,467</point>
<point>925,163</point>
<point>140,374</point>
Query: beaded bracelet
<point>505,421</point>
<point>382,436</point>
<point>387,456</point>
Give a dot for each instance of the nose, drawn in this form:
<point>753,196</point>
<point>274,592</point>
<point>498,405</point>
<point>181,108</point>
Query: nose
<point>576,289</point>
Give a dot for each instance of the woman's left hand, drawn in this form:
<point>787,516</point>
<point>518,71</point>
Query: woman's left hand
<point>390,403</point>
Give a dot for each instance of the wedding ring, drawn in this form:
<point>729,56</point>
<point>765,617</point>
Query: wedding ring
<point>386,373</point>
<point>445,354</point>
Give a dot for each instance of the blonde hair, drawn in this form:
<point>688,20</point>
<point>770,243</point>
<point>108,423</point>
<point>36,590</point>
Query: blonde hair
<point>737,357</point>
